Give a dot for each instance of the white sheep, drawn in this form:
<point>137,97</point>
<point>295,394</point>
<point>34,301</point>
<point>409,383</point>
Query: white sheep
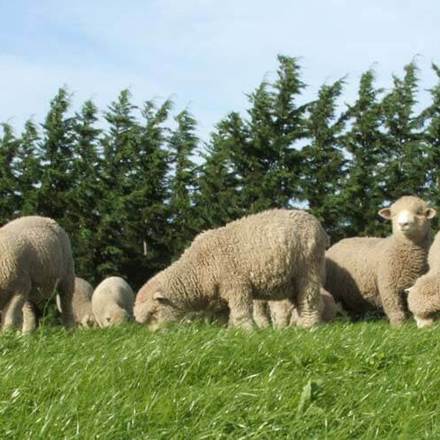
<point>276,254</point>
<point>366,273</point>
<point>112,302</point>
<point>35,259</point>
<point>424,296</point>
<point>283,313</point>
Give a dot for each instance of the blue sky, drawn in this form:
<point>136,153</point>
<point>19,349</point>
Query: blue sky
<point>204,54</point>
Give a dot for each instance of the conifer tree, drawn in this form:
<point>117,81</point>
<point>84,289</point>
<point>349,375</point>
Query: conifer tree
<point>148,203</point>
<point>275,127</point>
<point>431,119</point>
<point>405,163</point>
<point>323,159</point>
<point>28,168</point>
<point>183,143</point>
<point>363,192</point>
<point>218,197</point>
<point>83,212</point>
<point>56,149</point>
<point>9,145</point>
<point>119,149</point>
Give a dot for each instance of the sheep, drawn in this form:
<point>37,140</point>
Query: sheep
<point>424,296</point>
<point>112,302</point>
<point>265,256</point>
<point>81,303</point>
<point>36,258</point>
<point>283,313</point>
<point>367,273</point>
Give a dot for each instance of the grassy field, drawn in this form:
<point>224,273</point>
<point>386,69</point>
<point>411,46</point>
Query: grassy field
<point>338,381</point>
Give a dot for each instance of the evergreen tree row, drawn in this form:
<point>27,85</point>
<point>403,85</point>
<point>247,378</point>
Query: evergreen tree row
<point>134,187</point>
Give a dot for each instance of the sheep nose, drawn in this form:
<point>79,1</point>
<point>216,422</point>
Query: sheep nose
<point>404,223</point>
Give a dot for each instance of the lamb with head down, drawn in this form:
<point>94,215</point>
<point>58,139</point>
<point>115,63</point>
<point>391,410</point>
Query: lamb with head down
<point>276,254</point>
<point>424,296</point>
<point>112,302</point>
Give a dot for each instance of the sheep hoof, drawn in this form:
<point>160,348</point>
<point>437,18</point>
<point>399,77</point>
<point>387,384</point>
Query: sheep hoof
<point>423,322</point>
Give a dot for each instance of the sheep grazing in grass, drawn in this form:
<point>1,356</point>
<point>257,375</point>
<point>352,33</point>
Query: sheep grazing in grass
<point>35,259</point>
<point>82,303</point>
<point>283,313</point>
<point>112,302</point>
<point>424,296</point>
<point>262,256</point>
<point>366,273</point>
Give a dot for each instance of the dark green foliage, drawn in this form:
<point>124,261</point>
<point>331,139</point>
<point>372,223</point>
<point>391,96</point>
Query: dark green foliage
<point>323,160</point>
<point>133,190</point>
<point>183,143</point>
<point>56,154</point>
<point>404,161</point>
<point>365,173</point>
<point>9,146</point>
<point>28,168</point>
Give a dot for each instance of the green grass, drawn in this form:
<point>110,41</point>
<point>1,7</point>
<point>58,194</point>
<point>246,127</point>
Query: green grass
<point>338,381</point>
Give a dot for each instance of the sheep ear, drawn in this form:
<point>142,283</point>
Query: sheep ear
<point>159,296</point>
<point>385,213</point>
<point>430,213</point>
<point>407,290</point>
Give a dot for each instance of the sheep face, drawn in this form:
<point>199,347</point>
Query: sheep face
<point>115,317</point>
<point>153,307</point>
<point>88,321</point>
<point>411,217</point>
<point>424,299</point>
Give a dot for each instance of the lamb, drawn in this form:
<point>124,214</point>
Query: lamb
<point>265,256</point>
<point>283,313</point>
<point>112,302</point>
<point>424,296</point>
<point>82,303</point>
<point>366,273</point>
<point>36,258</point>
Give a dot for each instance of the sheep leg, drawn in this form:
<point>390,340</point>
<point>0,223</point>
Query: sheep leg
<point>281,312</point>
<point>240,301</point>
<point>261,313</point>
<point>393,305</point>
<point>29,318</point>
<point>309,299</point>
<point>66,287</point>
<point>12,314</point>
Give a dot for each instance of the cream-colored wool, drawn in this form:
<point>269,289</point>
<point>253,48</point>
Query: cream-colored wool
<point>283,313</point>
<point>424,296</point>
<point>35,259</point>
<point>112,302</point>
<point>82,303</point>
<point>263,256</point>
<point>366,273</point>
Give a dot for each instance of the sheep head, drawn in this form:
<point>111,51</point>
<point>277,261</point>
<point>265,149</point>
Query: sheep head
<point>424,299</point>
<point>410,216</point>
<point>153,306</point>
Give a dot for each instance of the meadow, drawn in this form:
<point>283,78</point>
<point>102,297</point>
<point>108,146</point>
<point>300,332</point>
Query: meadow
<point>199,381</point>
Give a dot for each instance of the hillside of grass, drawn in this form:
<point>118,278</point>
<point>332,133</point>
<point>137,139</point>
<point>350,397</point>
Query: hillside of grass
<point>200,381</point>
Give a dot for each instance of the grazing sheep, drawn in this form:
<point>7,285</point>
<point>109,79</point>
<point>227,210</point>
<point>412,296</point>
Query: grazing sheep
<point>36,258</point>
<point>82,303</point>
<point>424,296</point>
<point>283,313</point>
<point>366,273</point>
<point>262,256</point>
<point>112,302</point>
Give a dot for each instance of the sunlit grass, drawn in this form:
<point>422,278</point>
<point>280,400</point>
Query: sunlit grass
<point>338,381</point>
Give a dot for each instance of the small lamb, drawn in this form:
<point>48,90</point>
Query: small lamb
<point>112,302</point>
